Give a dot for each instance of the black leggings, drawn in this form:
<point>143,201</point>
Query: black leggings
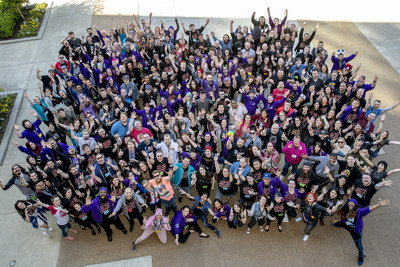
<point>309,227</point>
<point>278,218</point>
<point>133,215</point>
<point>253,222</point>
<point>183,237</point>
<point>357,237</point>
<point>106,222</point>
<point>291,212</point>
<point>88,223</point>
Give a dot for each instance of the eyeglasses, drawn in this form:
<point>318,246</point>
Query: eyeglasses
<point>157,175</point>
<point>340,142</point>
<point>99,157</point>
<point>252,133</point>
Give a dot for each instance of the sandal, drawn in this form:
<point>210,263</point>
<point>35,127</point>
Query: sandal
<point>261,229</point>
<point>248,231</point>
<point>266,228</point>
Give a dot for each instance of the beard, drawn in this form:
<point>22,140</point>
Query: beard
<point>30,128</point>
<point>357,132</point>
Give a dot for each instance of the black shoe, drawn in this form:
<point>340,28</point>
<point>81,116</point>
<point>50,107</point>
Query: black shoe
<point>179,199</point>
<point>124,231</point>
<point>109,238</point>
<point>99,230</point>
<point>218,232</point>
<point>280,229</point>
<point>133,247</point>
<point>131,228</point>
<point>360,260</point>
<point>93,232</point>
<point>321,221</point>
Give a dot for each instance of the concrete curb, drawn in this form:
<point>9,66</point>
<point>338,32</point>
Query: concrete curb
<point>13,118</point>
<point>41,30</point>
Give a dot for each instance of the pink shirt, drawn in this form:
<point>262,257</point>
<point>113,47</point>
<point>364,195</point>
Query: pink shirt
<point>293,154</point>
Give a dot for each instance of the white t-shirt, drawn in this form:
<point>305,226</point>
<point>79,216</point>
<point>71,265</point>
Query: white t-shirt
<point>61,217</point>
<point>342,152</point>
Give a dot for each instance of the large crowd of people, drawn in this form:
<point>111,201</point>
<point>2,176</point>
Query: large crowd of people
<point>252,127</point>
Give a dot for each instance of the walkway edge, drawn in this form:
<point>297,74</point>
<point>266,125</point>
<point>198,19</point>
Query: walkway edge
<point>13,118</point>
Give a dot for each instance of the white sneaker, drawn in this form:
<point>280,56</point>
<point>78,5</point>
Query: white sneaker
<point>50,229</point>
<point>46,233</point>
<point>305,238</point>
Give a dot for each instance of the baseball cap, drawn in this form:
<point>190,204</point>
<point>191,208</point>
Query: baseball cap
<point>267,175</point>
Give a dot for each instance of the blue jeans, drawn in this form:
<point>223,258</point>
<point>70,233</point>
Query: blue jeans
<point>169,205</point>
<point>205,222</point>
<point>287,166</point>
<point>64,229</point>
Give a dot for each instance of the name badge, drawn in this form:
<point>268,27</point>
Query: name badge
<point>205,186</point>
<point>225,188</point>
<point>106,212</point>
<point>294,156</point>
<point>247,196</point>
<point>130,210</point>
<point>84,218</point>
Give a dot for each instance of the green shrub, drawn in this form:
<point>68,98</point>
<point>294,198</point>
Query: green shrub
<point>8,19</point>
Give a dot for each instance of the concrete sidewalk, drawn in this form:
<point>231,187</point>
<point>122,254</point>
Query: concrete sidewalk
<point>28,247</point>
<point>19,241</point>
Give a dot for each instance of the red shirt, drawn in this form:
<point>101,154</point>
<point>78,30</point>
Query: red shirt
<point>278,95</point>
<point>138,135</point>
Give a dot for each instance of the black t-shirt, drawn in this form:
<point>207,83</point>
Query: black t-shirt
<point>185,180</point>
<point>305,181</point>
<point>277,80</point>
<point>108,144</point>
<point>376,176</point>
<point>312,212</point>
<point>245,187</point>
<point>225,186</point>
<point>235,151</point>
<point>197,210</point>
<point>363,194</point>
<point>162,166</point>
<point>258,174</point>
<point>207,162</point>
<point>354,172</point>
<point>105,171</point>
<point>47,82</point>
<point>89,159</point>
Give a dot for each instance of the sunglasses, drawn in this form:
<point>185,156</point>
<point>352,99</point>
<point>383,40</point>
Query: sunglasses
<point>252,133</point>
<point>99,158</point>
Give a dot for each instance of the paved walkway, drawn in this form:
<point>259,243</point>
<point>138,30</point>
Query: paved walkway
<point>19,62</point>
<point>19,241</point>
